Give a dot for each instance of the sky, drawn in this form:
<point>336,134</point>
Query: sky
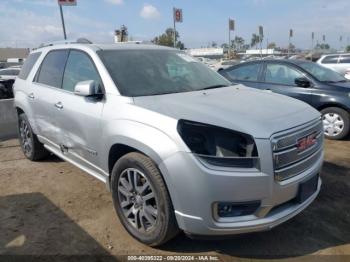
<point>28,23</point>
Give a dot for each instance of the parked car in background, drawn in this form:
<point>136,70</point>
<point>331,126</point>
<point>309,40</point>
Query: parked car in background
<point>347,74</point>
<point>337,62</point>
<point>178,146</point>
<point>225,64</point>
<point>7,78</point>
<point>9,73</point>
<point>322,88</point>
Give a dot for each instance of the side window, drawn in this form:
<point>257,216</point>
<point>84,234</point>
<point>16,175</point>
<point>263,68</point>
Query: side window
<point>28,65</point>
<point>51,71</point>
<point>281,74</point>
<point>5,72</point>
<point>79,68</point>
<point>345,59</point>
<point>248,72</point>
<point>331,59</point>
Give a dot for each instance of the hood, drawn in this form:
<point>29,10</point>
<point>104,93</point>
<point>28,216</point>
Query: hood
<point>239,108</point>
<point>341,87</point>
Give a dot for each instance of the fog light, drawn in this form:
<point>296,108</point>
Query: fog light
<point>227,209</point>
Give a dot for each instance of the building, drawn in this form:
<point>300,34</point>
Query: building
<point>9,54</point>
<point>121,35</point>
<point>262,51</point>
<point>206,52</point>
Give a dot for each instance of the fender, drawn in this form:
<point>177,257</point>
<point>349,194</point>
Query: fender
<point>21,101</point>
<point>144,138</point>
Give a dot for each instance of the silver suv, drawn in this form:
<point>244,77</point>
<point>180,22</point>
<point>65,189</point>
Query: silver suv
<point>178,146</point>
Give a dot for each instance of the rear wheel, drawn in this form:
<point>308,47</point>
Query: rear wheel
<point>142,201</point>
<point>336,123</point>
<point>31,147</point>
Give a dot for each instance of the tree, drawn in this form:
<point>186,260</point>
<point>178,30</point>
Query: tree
<point>224,46</point>
<point>348,48</point>
<point>255,40</point>
<point>214,44</point>
<point>167,39</point>
<point>238,42</point>
<point>272,45</point>
<point>291,47</point>
<point>323,46</point>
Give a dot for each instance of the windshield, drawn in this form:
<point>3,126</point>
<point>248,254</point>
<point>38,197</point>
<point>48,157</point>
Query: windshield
<point>321,73</point>
<point>156,72</point>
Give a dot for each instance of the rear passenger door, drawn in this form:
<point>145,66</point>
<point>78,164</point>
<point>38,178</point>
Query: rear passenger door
<point>46,87</point>
<point>79,118</point>
<point>280,78</point>
<point>248,74</point>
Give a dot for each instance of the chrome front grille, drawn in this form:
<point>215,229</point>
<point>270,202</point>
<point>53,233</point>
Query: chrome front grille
<point>288,159</point>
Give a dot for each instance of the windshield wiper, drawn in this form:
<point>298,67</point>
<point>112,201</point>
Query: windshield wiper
<point>213,87</point>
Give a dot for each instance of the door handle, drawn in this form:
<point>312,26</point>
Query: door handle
<point>31,96</point>
<point>59,105</point>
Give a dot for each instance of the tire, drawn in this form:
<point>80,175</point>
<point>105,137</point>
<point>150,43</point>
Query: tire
<point>31,147</point>
<point>134,211</point>
<point>336,123</point>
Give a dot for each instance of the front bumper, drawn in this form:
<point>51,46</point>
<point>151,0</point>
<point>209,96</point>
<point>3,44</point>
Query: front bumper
<point>194,188</point>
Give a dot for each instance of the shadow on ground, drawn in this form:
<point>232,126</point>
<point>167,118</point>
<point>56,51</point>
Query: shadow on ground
<point>324,224</point>
<point>32,225</point>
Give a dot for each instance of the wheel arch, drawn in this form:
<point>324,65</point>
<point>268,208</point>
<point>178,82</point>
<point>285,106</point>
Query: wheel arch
<point>328,105</point>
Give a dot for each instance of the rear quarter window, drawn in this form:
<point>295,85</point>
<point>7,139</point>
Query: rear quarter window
<point>345,59</point>
<point>52,68</point>
<point>331,59</point>
<point>28,65</point>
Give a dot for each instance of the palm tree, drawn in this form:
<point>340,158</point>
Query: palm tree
<point>239,42</point>
<point>255,40</point>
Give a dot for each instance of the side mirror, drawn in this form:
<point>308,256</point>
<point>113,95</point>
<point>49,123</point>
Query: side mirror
<point>302,82</point>
<point>86,88</point>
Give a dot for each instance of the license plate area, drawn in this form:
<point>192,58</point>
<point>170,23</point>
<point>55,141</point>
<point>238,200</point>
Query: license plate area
<point>307,189</point>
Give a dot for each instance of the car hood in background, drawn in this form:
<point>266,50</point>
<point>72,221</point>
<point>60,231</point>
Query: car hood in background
<point>239,108</point>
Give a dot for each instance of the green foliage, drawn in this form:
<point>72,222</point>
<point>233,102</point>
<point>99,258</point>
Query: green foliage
<point>272,45</point>
<point>323,46</point>
<point>255,40</point>
<point>167,39</point>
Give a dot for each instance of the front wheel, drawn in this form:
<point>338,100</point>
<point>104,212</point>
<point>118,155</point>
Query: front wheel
<point>142,201</point>
<point>336,123</point>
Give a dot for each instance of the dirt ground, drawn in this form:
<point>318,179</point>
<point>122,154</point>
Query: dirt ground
<point>53,208</point>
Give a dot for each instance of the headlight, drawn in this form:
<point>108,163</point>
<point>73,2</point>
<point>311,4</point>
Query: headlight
<point>219,146</point>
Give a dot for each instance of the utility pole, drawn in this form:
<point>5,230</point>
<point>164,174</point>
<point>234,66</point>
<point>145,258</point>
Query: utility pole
<point>177,17</point>
<point>63,25</point>
<point>312,43</point>
<point>66,3</point>
<point>231,27</point>
<point>261,36</point>
<point>289,42</point>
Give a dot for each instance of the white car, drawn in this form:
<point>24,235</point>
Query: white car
<point>10,73</point>
<point>337,62</point>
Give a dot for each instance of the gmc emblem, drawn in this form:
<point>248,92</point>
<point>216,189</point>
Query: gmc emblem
<point>306,142</point>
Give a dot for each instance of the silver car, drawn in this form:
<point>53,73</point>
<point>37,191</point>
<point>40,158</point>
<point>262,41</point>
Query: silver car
<point>177,145</point>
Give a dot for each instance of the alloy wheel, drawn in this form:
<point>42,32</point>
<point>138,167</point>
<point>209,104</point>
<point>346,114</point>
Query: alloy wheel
<point>137,200</point>
<point>26,138</point>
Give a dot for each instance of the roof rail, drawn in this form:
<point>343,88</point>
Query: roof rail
<point>65,42</point>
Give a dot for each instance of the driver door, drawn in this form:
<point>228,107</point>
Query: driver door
<point>280,78</point>
<point>79,117</point>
